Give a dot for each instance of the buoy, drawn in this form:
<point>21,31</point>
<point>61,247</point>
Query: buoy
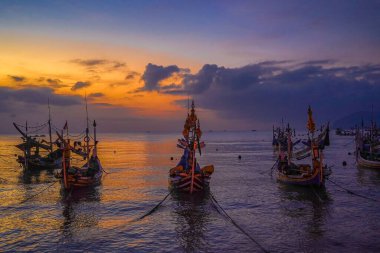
<point>171,158</point>
<point>344,163</point>
<point>239,157</point>
<point>216,149</point>
<point>349,153</point>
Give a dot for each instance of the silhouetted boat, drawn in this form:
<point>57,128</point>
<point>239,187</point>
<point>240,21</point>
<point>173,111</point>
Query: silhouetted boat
<point>312,173</point>
<point>89,174</point>
<point>32,145</point>
<point>187,176</point>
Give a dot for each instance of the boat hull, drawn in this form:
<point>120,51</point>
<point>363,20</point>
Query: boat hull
<point>40,163</point>
<point>315,179</point>
<point>367,163</point>
<point>79,178</point>
<point>182,183</point>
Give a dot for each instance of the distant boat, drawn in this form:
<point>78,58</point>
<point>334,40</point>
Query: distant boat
<point>187,176</point>
<point>253,130</point>
<point>305,174</point>
<point>368,147</point>
<point>342,132</point>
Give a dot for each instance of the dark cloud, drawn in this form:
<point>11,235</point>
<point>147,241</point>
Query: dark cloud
<point>132,75</point>
<point>92,63</point>
<point>80,85</point>
<point>35,96</point>
<point>96,95</point>
<point>267,91</point>
<point>89,62</point>
<point>154,74</point>
<point>17,78</point>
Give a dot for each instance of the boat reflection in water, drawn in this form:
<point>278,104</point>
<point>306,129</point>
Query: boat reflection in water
<point>192,215</point>
<point>307,210</point>
<point>80,218</point>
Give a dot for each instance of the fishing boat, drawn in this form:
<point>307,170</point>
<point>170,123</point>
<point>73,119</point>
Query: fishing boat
<point>89,174</point>
<point>368,147</point>
<point>187,176</point>
<point>32,145</point>
<point>306,174</point>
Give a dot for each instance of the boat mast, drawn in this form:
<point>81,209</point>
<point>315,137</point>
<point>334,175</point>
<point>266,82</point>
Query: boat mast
<point>87,132</point>
<point>193,127</point>
<point>95,142</point>
<point>50,139</point>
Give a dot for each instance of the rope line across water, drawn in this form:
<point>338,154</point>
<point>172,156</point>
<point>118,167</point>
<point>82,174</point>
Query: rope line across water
<point>353,193</point>
<point>154,208</point>
<point>217,207</point>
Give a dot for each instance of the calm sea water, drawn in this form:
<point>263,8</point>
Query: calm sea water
<point>281,218</point>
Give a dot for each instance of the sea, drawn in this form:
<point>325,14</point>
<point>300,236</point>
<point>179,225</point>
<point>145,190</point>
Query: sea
<point>122,214</point>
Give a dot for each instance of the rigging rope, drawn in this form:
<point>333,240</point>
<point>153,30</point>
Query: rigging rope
<point>37,126</point>
<point>217,206</point>
<point>33,196</point>
<point>154,208</point>
<point>351,192</point>
<point>271,170</point>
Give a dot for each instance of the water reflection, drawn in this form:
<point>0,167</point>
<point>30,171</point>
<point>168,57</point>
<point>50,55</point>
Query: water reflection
<point>79,213</point>
<point>192,215</point>
<point>365,176</point>
<point>309,205</point>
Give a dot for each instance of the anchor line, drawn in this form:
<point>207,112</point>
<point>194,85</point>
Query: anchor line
<point>154,208</point>
<point>223,212</point>
<point>351,192</point>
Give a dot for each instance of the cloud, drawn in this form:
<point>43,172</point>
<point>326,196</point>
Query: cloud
<point>132,75</point>
<point>92,63</point>
<point>80,85</point>
<point>266,92</point>
<point>17,78</point>
<point>96,95</point>
<point>34,96</point>
<point>155,73</point>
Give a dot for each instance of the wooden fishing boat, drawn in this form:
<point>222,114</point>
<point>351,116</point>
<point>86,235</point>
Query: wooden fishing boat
<point>368,147</point>
<point>89,174</point>
<point>187,176</point>
<point>32,159</point>
<point>305,174</point>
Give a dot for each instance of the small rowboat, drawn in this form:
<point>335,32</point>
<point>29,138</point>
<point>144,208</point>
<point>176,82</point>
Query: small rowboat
<point>187,176</point>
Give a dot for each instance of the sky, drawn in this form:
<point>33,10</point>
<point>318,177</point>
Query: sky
<point>246,64</point>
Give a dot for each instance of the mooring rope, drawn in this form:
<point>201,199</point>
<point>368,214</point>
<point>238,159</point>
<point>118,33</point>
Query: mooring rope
<point>154,208</point>
<point>271,169</point>
<point>31,197</point>
<point>351,192</point>
<point>217,207</point>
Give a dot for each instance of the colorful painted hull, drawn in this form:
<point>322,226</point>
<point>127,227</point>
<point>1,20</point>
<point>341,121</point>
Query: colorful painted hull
<point>81,181</point>
<point>315,179</point>
<point>367,163</point>
<point>183,182</point>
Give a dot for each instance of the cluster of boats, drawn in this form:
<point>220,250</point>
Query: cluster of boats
<point>187,176</point>
<point>300,161</point>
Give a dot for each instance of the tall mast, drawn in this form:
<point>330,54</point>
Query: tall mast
<point>50,139</point>
<point>87,131</point>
